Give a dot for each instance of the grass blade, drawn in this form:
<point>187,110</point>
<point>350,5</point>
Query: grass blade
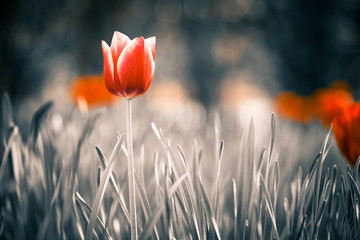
<point>85,211</point>
<point>36,121</point>
<point>114,185</point>
<point>209,210</point>
<point>269,205</point>
<point>102,187</point>
<point>154,218</point>
<point>85,133</point>
<point>217,180</point>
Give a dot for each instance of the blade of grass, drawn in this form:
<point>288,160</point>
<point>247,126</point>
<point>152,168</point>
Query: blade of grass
<point>142,160</point>
<point>85,211</point>
<point>209,210</point>
<point>183,210</point>
<point>269,205</point>
<point>50,214</point>
<point>195,173</point>
<point>287,227</point>
<point>8,147</point>
<point>167,212</point>
<point>277,182</point>
<point>217,134</point>
<point>217,180</point>
<point>7,117</point>
<point>318,178</point>
<point>353,185</point>
<point>36,121</point>
<point>272,138</point>
<point>182,155</point>
<point>70,199</point>
<point>250,164</point>
<point>261,161</point>
<point>121,201</point>
<point>144,202</point>
<point>356,171</point>
<point>185,187</point>
<point>233,188</point>
<point>102,187</point>
<point>143,199</point>
<point>17,165</point>
<point>154,218</point>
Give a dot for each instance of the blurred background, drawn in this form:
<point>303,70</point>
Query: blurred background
<point>274,45</point>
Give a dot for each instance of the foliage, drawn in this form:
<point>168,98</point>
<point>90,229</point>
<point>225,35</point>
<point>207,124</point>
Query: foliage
<point>200,197</point>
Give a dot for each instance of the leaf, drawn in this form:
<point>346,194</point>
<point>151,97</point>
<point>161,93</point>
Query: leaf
<point>160,208</point>
<point>217,180</point>
<point>143,199</point>
<point>7,117</point>
<point>185,187</point>
<point>277,181</point>
<point>209,210</point>
<point>356,171</point>
<point>195,174</point>
<point>250,164</point>
<point>102,187</point>
<point>353,185</point>
<point>273,131</point>
<point>233,188</point>
<point>85,211</point>
<point>269,205</point>
<point>8,147</point>
<point>85,133</point>
<point>114,185</point>
<point>36,121</point>
<point>181,151</point>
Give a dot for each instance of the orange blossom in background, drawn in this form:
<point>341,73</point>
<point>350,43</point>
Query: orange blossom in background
<point>91,90</point>
<point>294,107</point>
<point>324,104</point>
<point>346,129</point>
<point>330,103</point>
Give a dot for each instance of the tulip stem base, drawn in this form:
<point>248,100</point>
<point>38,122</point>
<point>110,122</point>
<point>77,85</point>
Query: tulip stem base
<point>132,197</point>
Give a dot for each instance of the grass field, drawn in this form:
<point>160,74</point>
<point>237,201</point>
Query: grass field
<point>199,175</point>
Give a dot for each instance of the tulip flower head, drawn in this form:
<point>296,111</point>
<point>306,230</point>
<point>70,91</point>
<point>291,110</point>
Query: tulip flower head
<point>346,129</point>
<point>128,65</point>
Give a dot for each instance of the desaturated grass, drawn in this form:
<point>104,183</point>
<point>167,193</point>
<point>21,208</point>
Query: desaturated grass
<point>45,192</point>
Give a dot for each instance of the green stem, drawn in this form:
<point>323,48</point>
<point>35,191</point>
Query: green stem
<point>132,197</point>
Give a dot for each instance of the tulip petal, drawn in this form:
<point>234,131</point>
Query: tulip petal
<point>118,43</point>
<point>147,84</point>
<point>108,68</point>
<point>151,42</point>
<point>135,68</point>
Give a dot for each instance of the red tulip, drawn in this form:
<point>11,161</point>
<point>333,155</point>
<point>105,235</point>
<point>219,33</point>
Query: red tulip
<point>128,65</point>
<point>346,130</point>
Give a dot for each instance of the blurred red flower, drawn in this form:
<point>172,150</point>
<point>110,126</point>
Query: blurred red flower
<point>91,90</point>
<point>346,129</point>
<point>331,102</point>
<point>128,65</point>
<point>294,107</point>
<point>324,104</point>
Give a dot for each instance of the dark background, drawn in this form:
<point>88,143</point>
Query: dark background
<point>283,44</point>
